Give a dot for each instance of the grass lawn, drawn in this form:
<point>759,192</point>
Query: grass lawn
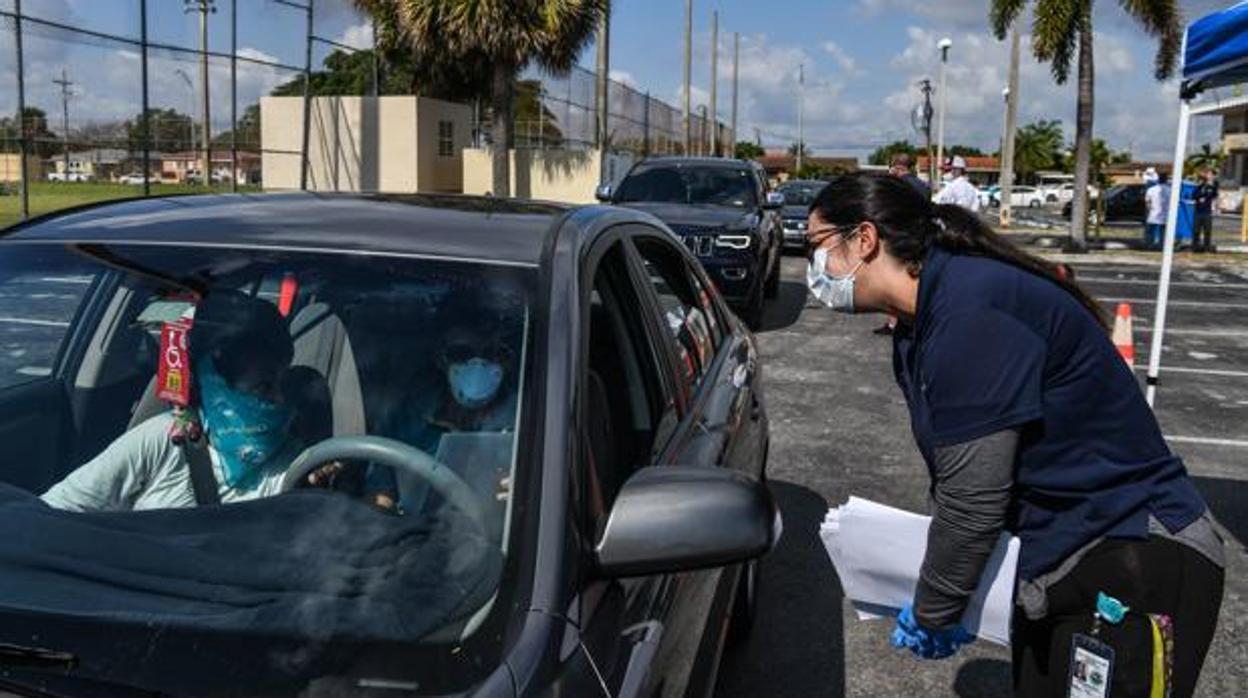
<point>52,196</point>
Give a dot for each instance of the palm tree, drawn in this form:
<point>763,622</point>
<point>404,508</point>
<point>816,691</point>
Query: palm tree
<point>1062,31</point>
<point>1037,147</point>
<point>492,40</point>
<point>1206,158</point>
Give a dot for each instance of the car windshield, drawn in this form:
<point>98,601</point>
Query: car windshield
<point>386,392</point>
<point>802,194</point>
<point>706,185</point>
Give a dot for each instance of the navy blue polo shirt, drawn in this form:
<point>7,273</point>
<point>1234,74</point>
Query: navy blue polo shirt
<point>994,347</point>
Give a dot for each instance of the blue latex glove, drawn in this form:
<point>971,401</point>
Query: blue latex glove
<point>924,643</point>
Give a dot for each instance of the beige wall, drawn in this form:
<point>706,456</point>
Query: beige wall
<point>386,144</point>
<point>548,175</point>
<point>11,167</point>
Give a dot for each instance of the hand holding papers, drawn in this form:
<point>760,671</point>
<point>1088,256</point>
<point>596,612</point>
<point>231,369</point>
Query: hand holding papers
<point>878,551</point>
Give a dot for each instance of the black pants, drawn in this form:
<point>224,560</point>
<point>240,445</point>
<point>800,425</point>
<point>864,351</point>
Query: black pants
<point>1203,236</point>
<point>1149,576</point>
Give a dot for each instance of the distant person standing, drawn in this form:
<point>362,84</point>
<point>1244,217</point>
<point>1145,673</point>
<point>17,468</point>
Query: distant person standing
<point>1206,197</point>
<point>902,167</point>
<point>1158,199</point>
<point>958,190</point>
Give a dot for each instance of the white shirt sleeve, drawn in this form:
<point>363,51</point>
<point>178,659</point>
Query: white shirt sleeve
<point>118,476</point>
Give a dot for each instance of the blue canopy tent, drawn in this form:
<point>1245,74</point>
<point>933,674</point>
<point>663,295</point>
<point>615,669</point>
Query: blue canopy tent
<point>1215,54</point>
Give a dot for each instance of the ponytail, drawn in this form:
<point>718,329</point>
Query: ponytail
<point>910,224</point>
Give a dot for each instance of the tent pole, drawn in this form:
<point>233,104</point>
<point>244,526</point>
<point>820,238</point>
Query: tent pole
<point>1167,255</point>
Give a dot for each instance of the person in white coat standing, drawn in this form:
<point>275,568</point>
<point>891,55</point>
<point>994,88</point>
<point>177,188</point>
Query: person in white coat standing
<point>959,191</point>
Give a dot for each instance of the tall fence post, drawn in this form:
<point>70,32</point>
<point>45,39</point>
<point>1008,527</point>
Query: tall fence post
<point>307,105</point>
<point>234,96</point>
<point>645,125</point>
<point>23,146</point>
<point>146,118</point>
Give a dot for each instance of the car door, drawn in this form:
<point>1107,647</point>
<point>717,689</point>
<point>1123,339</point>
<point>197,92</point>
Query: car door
<point>722,425</point>
<point>46,315</point>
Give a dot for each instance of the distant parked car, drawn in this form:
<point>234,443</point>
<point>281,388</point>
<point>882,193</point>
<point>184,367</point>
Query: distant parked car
<point>70,177</point>
<point>721,210</point>
<point>1123,203</point>
<point>135,178</point>
<point>799,194</point>
<point>987,196</point>
<point>1031,197</point>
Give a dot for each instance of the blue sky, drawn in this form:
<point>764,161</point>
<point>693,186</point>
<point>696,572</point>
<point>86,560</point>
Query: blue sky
<point>862,59</point>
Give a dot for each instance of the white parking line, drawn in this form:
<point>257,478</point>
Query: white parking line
<point>1196,333</point>
<point>1198,371</point>
<point>29,321</point>
<point>1233,443</point>
<point>1153,282</point>
<point>1185,304</point>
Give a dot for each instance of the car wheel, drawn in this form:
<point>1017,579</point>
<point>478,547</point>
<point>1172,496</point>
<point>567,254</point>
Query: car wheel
<point>772,289</point>
<point>744,604</point>
<point>1034,203</point>
<point>752,313</point>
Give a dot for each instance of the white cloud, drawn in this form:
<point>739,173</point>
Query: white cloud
<point>842,58</point>
<point>359,36</point>
<point>623,77</point>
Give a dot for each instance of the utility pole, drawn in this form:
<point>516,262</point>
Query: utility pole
<point>702,136</point>
<point>924,126</point>
<point>65,84</point>
<point>204,8</point>
<point>688,75</point>
<point>945,45</point>
<point>801,117</point>
<point>603,92</point>
<point>1011,129</point>
<point>715,84</point>
<point>736,74</point>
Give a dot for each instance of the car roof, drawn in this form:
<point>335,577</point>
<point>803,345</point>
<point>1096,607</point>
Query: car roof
<point>446,226</point>
<point>699,161</point>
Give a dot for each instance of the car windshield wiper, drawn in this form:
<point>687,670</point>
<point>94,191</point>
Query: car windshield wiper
<point>16,656</point>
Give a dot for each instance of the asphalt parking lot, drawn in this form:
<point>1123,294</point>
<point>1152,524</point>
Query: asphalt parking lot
<point>840,427</point>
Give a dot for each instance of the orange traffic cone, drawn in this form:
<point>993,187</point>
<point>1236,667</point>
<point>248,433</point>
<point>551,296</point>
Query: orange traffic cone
<point>1124,335</point>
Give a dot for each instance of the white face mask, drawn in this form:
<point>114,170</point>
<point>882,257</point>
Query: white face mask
<point>836,292</point>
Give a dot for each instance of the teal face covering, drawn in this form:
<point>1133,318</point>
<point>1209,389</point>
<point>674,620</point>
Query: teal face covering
<point>245,430</point>
<point>475,382</point>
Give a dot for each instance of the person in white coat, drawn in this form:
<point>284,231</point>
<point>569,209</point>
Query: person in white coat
<point>959,191</point>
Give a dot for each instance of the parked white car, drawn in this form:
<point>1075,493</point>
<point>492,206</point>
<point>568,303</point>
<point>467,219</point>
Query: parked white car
<point>1059,193</point>
<point>71,177</point>
<point>1029,197</point>
<point>130,179</point>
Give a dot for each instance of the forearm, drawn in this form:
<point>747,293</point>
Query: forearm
<point>971,497</point>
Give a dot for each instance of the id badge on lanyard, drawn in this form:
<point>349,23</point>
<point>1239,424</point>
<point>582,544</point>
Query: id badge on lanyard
<point>1091,667</point>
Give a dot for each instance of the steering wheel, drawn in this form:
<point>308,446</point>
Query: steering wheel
<point>397,455</point>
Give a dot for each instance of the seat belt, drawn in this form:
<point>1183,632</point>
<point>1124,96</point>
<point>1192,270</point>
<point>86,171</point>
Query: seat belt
<point>203,480</point>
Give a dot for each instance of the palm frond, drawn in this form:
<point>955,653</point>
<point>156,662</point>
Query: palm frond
<point>1163,20</point>
<point>1055,34</point>
<point>1003,14</point>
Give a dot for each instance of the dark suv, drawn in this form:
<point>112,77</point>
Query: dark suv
<point>721,210</point>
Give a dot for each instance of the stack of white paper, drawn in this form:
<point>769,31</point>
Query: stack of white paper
<point>878,551</point>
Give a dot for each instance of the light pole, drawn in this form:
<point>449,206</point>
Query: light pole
<point>64,83</point>
<point>1007,147</point>
<point>715,84</point>
<point>190,120</point>
<point>688,75</point>
<point>945,45</point>
<point>801,117</point>
<point>204,8</point>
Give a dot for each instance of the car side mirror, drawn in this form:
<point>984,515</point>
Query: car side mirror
<point>678,519</point>
<point>774,201</point>
<point>603,193</point>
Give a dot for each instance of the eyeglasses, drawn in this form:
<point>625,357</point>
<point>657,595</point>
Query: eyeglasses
<point>816,237</point>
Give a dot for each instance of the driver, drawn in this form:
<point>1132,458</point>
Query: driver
<point>240,354</point>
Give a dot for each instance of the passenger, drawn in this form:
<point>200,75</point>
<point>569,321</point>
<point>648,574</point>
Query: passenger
<point>240,353</point>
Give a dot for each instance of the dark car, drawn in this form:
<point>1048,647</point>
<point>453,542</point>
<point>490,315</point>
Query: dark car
<point>798,194</point>
<point>588,527</point>
<point>723,213</point>
<point>1123,203</point>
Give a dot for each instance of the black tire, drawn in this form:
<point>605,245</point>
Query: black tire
<point>744,605</point>
<point>752,312</point>
<point>1034,203</point>
<point>772,287</point>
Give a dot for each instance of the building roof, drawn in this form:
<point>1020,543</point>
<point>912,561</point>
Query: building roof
<point>102,156</point>
<point>781,161</point>
<point>456,227</point>
<point>974,163</point>
<point>221,154</point>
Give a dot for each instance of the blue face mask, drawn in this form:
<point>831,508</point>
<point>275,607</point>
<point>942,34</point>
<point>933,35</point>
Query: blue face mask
<point>474,382</point>
<point>836,292</point>
<point>247,431</point>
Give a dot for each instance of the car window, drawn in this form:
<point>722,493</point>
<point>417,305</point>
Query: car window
<point>705,185</point>
<point>36,309</point>
<point>800,194</point>
<point>692,329</point>
<point>277,353</point>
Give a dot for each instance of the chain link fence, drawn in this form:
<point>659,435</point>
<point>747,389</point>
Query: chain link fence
<point>559,112</point>
<point>121,98</point>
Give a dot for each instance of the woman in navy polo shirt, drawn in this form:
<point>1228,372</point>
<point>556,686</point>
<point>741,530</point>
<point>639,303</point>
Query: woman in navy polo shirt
<point>1029,421</point>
